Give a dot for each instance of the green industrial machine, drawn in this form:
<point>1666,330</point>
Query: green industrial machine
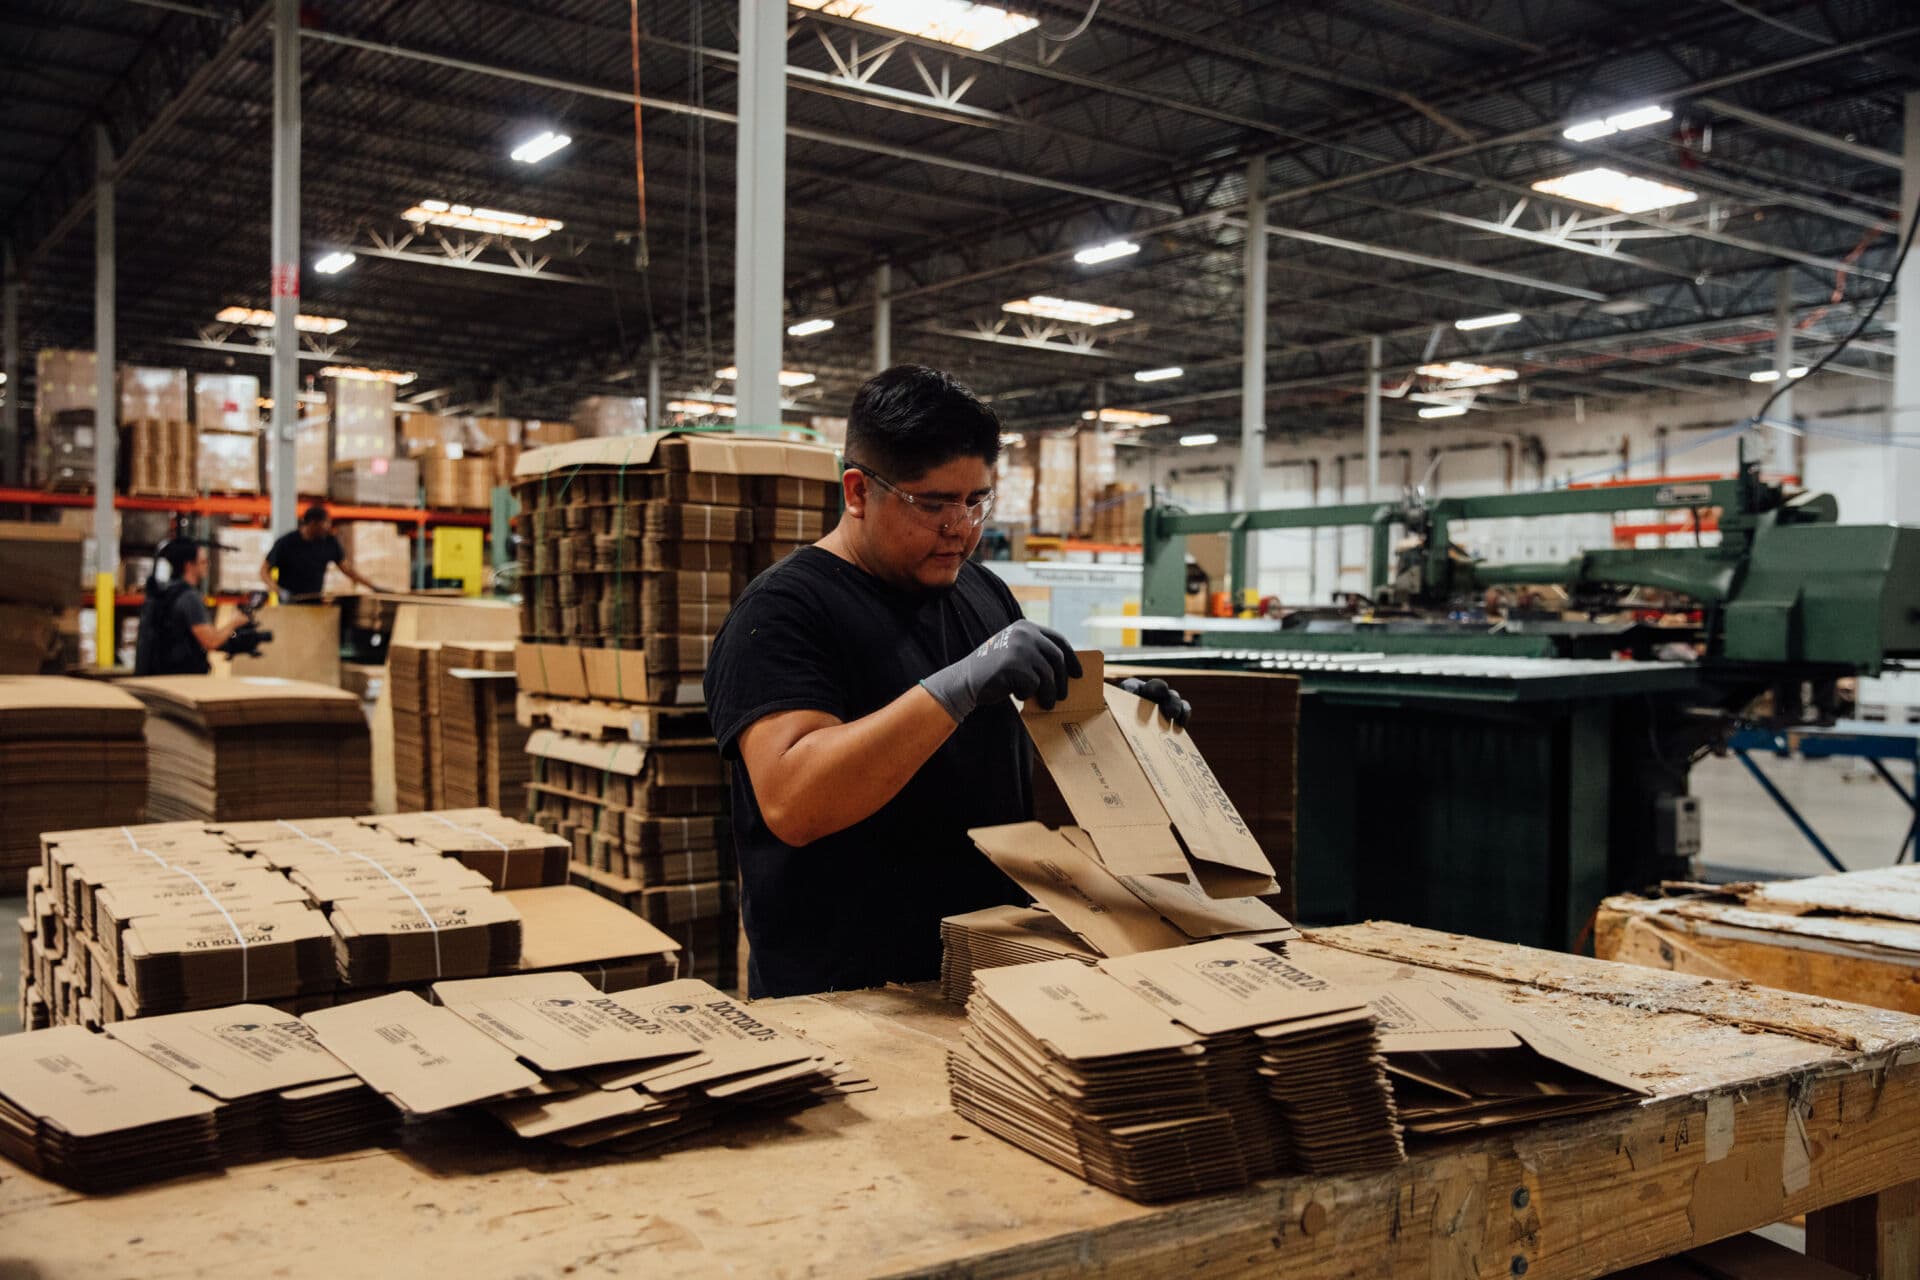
<point>1499,778</point>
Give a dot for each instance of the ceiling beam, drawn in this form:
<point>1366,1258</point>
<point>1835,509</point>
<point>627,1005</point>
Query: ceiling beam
<point>1800,132</point>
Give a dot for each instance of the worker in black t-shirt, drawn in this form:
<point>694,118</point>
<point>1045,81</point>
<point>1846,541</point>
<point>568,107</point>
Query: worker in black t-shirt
<point>302,556</point>
<point>176,631</point>
<point>862,687</point>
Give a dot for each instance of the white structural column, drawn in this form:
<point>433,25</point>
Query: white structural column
<point>285,379</point>
<point>106,402</point>
<point>654,407</point>
<point>1253,363</point>
<point>760,212</point>
<point>10,373</point>
<point>1376,573</point>
<point>883,317</point>
<point>1783,347</point>
<point>1903,411</point>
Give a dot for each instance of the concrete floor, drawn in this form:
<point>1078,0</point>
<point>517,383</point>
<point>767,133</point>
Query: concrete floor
<point>1850,806</point>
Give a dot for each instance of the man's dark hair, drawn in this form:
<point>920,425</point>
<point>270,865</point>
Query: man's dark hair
<point>910,419</point>
<point>178,554</point>
<point>314,514</point>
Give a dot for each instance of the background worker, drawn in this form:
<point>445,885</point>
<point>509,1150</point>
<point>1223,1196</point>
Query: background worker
<point>302,557</point>
<point>176,631</point>
<point>862,686</point>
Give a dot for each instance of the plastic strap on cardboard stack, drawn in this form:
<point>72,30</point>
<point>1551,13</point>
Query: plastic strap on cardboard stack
<point>246,985</point>
<point>399,884</point>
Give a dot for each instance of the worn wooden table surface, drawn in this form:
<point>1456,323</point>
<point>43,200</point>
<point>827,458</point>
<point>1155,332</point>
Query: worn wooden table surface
<point>1766,1105</point>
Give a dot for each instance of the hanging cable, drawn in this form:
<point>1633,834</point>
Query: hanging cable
<point>1077,32</point>
<point>1893,274</point>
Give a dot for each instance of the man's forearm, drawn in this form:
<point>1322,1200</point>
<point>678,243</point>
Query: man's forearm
<point>840,775</point>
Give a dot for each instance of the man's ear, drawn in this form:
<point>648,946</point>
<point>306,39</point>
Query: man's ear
<point>854,489</point>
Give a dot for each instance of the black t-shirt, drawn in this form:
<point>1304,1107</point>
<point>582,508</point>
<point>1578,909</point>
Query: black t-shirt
<point>303,562</point>
<point>862,907</point>
<point>167,645</point>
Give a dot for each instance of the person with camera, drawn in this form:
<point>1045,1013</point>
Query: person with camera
<point>176,631</point>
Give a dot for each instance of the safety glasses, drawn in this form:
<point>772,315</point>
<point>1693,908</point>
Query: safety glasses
<point>930,513</point>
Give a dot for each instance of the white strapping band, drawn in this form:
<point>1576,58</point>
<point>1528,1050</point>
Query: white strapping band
<point>338,852</point>
<point>239,937</point>
<point>505,852</point>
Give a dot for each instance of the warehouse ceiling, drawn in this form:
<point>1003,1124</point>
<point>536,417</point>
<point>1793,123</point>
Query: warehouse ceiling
<point>1402,143</point>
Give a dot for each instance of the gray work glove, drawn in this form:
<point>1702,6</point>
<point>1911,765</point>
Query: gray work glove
<point>1171,704</point>
<point>1026,660</point>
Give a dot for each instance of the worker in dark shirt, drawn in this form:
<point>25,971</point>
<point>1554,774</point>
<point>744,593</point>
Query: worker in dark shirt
<point>862,688</point>
<point>176,631</point>
<point>300,558</point>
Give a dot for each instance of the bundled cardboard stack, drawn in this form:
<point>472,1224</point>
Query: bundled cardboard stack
<point>378,552</point>
<point>1056,479</point>
<point>160,394</point>
<point>1116,514</point>
<point>455,479</point>
<point>228,461</point>
<point>159,458</point>
<point>226,402</point>
<point>1095,469</point>
<point>38,592</point>
<point>362,415</point>
<point>996,937</point>
<point>481,748</point>
<point>253,747</point>
<point>66,747</point>
<point>63,412</point>
<point>376,482</point>
<point>507,853</point>
<point>1176,1072</point>
<point>415,691</point>
<point>636,549</point>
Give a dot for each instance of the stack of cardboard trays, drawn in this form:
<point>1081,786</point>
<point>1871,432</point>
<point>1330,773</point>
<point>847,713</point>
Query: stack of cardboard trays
<point>66,747</point>
<point>410,671</point>
<point>996,937</point>
<point>1177,1072</point>
<point>791,512</point>
<point>95,1115</point>
<point>482,747</point>
<point>160,459</point>
<point>505,852</point>
<point>253,747</point>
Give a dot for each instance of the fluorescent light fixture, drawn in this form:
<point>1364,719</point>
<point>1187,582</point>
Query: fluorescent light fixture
<point>1612,189</point>
<point>1462,373</point>
<point>788,377</point>
<point>1444,411</point>
<point>1127,417</point>
<point>1160,375</point>
<point>255,318</point>
<point>357,373</point>
<point>1773,375</point>
<point>492,222</point>
<point>1106,252</point>
<point>954,22</point>
<point>700,408</point>
<point>1618,122</point>
<point>334,263</point>
<point>807,328</point>
<point>1066,310</point>
<point>1013,437</point>
<point>540,146</point>
<point>1487,322</point>
<point>1204,438</point>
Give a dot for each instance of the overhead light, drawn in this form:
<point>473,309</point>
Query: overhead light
<point>954,22</point>
<point>1127,418</point>
<point>1773,375</point>
<point>1462,373</point>
<point>807,328</point>
<point>1160,375</point>
<point>540,146</point>
<point>334,263</point>
<point>788,377</point>
<point>1204,438</point>
<point>255,318</point>
<point>493,222</point>
<point>1619,122</point>
<point>1624,307</point>
<point>1487,322</point>
<point>1106,252</point>
<point>1013,437</point>
<point>700,409</point>
<point>1444,411</point>
<point>1612,189</point>
<point>1065,309</point>
<point>356,373</point>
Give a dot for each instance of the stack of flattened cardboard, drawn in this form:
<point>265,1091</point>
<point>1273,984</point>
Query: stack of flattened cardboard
<point>95,1115</point>
<point>159,458</point>
<point>996,937</point>
<point>483,756</point>
<point>278,1089</point>
<point>253,747</point>
<point>66,747</point>
<point>410,673</point>
<point>791,512</point>
<point>507,853</point>
<point>566,928</point>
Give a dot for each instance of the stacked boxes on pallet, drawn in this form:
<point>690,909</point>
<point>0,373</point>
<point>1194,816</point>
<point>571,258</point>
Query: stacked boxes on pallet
<point>634,549</point>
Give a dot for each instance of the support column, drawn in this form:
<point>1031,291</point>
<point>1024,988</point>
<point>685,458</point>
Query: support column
<point>760,212</point>
<point>1903,411</point>
<point>10,371</point>
<point>1253,370</point>
<point>883,317</point>
<point>654,407</point>
<point>1783,347</point>
<point>106,401</point>
<point>1376,571</point>
<point>284,380</point>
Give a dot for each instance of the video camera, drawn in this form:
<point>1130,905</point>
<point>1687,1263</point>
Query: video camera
<point>249,635</point>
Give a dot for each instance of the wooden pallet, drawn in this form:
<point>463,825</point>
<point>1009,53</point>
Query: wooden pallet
<point>651,726</point>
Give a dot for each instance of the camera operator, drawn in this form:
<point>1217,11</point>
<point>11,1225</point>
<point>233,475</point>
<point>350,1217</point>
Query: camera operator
<point>176,631</point>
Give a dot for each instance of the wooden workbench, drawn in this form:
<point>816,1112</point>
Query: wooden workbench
<point>1766,1105</point>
